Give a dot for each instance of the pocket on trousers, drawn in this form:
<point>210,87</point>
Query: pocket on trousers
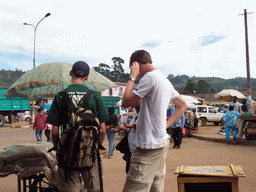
<point>139,169</point>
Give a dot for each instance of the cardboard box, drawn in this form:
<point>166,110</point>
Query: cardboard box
<point>209,178</point>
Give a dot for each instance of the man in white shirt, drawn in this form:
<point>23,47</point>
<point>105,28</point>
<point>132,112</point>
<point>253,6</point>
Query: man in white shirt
<point>155,91</point>
<point>237,106</point>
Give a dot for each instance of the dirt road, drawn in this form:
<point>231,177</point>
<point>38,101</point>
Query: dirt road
<point>192,153</point>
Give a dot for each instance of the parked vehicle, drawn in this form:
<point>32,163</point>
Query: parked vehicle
<point>208,114</point>
<point>10,107</point>
<point>110,101</point>
<point>26,116</point>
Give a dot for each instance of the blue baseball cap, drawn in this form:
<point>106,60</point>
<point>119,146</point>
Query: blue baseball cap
<point>81,68</point>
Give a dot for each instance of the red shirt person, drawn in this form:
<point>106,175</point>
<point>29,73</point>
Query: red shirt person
<point>39,125</point>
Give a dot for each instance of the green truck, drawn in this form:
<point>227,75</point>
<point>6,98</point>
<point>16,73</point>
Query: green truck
<point>110,101</point>
<point>11,106</point>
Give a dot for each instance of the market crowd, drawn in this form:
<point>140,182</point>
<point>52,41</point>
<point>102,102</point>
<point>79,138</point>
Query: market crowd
<point>148,137</point>
<point>148,126</point>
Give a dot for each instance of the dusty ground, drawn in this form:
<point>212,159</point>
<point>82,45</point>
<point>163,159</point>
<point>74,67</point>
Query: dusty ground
<point>192,153</point>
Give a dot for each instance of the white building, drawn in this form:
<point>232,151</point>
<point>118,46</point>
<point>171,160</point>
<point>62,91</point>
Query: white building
<point>117,91</point>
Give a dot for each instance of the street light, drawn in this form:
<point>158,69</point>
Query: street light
<point>35,27</point>
<point>34,59</point>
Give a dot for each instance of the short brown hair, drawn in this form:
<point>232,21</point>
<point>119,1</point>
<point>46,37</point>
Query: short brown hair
<point>141,56</point>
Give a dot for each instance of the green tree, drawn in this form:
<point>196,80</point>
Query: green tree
<point>179,82</point>
<point>115,72</point>
<point>190,87</point>
<point>203,87</point>
<point>170,76</point>
<point>103,69</point>
<point>118,70</point>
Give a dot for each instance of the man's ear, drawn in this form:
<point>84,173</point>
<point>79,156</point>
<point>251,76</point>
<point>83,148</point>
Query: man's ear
<point>86,77</point>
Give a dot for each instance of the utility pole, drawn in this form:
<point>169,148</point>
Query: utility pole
<point>247,54</point>
<point>34,60</point>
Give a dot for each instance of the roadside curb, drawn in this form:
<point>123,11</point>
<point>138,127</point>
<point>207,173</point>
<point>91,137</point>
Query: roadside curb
<point>208,139</point>
<point>22,126</point>
<point>220,140</point>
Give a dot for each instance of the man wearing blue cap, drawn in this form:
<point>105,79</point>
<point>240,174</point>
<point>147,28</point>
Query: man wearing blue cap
<point>70,180</point>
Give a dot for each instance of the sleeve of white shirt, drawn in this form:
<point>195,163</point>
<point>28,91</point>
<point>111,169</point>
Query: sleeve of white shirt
<point>144,87</point>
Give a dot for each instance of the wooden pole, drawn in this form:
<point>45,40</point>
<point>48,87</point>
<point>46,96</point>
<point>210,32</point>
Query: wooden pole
<point>247,56</point>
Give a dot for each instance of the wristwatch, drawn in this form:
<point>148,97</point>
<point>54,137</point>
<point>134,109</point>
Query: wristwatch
<point>132,79</point>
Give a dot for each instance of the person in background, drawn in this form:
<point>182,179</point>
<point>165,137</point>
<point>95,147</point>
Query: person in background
<point>112,123</point>
<point>169,113</point>
<point>244,109</point>
<point>195,125</point>
<point>39,125</point>
<point>48,128</point>
<point>131,129</point>
<point>176,130</point>
<point>225,109</point>
<point>219,108</point>
<point>237,108</point>
<point>235,104</point>
<point>230,122</point>
<point>189,121</point>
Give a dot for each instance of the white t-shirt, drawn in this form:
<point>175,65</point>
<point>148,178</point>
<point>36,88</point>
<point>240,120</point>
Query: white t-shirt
<point>237,106</point>
<point>155,91</point>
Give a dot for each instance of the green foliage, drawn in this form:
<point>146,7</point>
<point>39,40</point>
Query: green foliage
<point>115,72</point>
<point>118,70</point>
<point>200,87</point>
<point>215,84</point>
<point>190,87</point>
<point>103,69</point>
<point>8,77</point>
<point>203,87</point>
<point>179,81</point>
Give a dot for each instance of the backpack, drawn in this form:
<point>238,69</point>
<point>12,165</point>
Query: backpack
<point>77,147</point>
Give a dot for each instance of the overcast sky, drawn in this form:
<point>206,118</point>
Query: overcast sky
<point>202,38</point>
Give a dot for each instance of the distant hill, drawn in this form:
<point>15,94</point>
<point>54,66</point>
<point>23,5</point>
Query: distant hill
<point>7,78</point>
<point>180,81</point>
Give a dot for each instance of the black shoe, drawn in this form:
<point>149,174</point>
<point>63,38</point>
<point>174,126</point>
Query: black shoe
<point>174,146</point>
<point>178,147</point>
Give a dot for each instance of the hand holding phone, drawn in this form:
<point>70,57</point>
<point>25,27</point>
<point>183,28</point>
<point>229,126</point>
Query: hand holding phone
<point>135,70</point>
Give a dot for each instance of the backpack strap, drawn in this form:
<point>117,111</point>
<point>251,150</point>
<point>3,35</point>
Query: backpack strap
<point>70,103</point>
<point>86,98</point>
<point>68,100</point>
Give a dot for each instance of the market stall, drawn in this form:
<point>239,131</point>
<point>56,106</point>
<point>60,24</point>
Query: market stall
<point>250,121</point>
<point>250,127</point>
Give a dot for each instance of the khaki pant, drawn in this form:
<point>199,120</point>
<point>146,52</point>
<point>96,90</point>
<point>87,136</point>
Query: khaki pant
<point>70,181</point>
<point>147,169</point>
